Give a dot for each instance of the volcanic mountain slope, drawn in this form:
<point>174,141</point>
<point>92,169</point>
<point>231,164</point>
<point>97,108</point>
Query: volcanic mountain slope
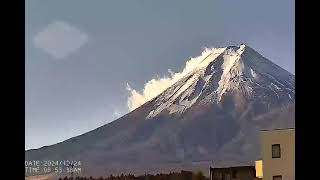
<point>211,116</point>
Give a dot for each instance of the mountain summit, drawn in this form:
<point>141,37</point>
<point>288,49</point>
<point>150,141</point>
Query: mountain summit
<point>240,71</point>
<point>209,117</point>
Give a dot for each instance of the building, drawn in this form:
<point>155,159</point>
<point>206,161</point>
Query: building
<point>233,173</point>
<point>278,155</point>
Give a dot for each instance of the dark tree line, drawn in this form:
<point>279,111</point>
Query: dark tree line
<point>183,175</point>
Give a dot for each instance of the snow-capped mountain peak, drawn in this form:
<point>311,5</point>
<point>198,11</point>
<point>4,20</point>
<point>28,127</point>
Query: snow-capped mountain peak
<point>211,113</point>
<point>232,69</point>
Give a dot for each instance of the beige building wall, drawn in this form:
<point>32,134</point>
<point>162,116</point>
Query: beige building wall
<point>285,165</point>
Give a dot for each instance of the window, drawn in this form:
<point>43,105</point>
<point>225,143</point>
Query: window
<point>276,151</point>
<point>277,178</point>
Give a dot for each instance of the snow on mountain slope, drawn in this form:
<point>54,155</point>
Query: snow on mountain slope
<point>211,114</point>
<point>225,69</point>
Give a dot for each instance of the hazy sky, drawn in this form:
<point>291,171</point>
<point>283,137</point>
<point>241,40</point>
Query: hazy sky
<point>81,54</point>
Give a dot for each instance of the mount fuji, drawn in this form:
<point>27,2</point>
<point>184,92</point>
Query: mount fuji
<point>210,117</point>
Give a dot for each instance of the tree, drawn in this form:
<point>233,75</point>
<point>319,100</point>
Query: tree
<point>199,176</point>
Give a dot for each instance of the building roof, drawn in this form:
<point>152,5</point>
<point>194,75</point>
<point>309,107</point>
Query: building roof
<point>233,167</point>
<point>279,129</point>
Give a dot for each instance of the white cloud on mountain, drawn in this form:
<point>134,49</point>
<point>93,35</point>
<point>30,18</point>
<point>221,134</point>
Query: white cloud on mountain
<point>157,85</point>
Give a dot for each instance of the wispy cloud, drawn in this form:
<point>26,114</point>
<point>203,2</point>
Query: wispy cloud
<point>118,112</point>
<point>60,39</point>
<point>157,85</point>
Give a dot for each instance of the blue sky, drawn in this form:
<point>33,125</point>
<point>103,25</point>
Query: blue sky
<point>81,54</point>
